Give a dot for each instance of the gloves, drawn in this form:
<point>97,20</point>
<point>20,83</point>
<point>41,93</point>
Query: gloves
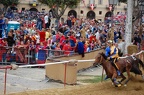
<point>108,58</point>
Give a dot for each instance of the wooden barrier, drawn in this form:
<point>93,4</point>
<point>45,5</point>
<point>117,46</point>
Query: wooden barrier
<point>56,72</point>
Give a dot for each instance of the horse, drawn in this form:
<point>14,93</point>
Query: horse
<point>128,64</point>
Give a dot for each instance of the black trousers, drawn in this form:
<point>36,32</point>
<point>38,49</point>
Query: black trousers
<point>46,25</point>
<point>1,33</point>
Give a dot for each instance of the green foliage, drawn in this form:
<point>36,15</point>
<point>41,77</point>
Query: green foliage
<point>7,3</point>
<point>58,7</point>
<point>124,1</point>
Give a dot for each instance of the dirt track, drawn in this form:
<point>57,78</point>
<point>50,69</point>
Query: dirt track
<point>134,87</point>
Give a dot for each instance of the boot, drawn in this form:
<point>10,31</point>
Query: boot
<point>106,77</point>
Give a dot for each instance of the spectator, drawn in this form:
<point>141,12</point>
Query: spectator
<point>80,47</point>
<point>46,19</point>
<point>10,38</point>
<point>66,48</point>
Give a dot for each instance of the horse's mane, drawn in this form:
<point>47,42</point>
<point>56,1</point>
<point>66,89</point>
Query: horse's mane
<point>103,55</point>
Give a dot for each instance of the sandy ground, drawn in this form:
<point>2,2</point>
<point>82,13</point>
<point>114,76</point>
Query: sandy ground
<point>134,87</point>
<point>31,81</point>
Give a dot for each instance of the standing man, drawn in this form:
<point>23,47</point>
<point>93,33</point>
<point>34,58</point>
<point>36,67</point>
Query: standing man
<point>46,18</point>
<point>1,25</point>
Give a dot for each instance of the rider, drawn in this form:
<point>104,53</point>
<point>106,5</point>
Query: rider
<point>112,54</point>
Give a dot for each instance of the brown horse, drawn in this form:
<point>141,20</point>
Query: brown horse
<point>128,64</point>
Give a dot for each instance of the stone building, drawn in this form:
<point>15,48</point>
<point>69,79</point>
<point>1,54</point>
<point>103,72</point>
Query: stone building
<point>98,9</point>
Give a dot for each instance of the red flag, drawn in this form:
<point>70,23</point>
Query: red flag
<point>92,6</point>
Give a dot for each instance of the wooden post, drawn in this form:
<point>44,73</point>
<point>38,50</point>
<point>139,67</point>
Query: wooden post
<point>65,70</point>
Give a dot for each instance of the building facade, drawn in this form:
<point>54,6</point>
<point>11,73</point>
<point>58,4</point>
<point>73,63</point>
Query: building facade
<point>97,9</point>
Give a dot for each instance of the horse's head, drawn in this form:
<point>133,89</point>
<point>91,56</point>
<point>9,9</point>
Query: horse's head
<point>99,58</point>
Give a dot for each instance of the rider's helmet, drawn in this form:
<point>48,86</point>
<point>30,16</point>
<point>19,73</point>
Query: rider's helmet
<point>110,41</point>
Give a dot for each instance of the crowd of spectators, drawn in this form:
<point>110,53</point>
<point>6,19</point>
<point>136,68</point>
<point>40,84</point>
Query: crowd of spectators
<point>38,32</point>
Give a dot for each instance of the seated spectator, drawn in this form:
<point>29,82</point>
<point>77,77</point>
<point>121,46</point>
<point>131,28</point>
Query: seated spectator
<point>57,50</point>
<point>89,48</point>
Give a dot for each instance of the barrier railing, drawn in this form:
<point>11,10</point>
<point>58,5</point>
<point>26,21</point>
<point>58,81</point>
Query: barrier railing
<point>24,55</point>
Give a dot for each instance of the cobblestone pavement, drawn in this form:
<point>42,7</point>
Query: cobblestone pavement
<point>24,79</point>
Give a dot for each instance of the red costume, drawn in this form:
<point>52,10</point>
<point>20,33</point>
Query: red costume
<point>67,49</point>
<point>92,38</point>
<point>42,36</point>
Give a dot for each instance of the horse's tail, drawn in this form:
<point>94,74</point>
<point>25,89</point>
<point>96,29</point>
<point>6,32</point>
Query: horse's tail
<point>141,63</point>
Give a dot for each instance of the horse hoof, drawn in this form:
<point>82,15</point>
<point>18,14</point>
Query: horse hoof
<point>125,85</point>
<point>119,85</point>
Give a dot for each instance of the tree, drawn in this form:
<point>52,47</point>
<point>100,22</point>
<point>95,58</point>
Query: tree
<point>58,7</point>
<point>124,1</point>
<point>128,30</point>
<point>9,3</point>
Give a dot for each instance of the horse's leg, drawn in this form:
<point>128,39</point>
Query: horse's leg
<point>138,72</point>
<point>117,84</point>
<point>128,73</point>
<point>123,78</point>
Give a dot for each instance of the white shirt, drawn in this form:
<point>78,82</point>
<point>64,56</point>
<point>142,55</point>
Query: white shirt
<point>46,19</point>
<point>97,35</point>
<point>121,46</point>
<point>37,39</point>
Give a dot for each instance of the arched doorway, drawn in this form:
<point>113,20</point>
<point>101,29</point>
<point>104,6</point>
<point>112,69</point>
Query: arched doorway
<point>13,8</point>
<point>108,16</point>
<point>91,15</point>
<point>33,9</point>
<point>72,12</point>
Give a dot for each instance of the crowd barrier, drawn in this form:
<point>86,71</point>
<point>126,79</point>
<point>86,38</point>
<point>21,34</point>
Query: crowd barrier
<point>22,55</point>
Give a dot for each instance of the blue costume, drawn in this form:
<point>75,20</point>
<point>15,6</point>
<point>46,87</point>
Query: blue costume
<point>80,48</point>
<point>112,53</point>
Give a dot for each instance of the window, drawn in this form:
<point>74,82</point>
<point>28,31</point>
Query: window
<point>91,1</point>
<point>81,11</point>
<point>82,1</point>
<point>99,19</point>
<point>119,3</point>
<point>23,9</point>
<point>100,2</point>
<point>43,9</point>
<point>100,12</point>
